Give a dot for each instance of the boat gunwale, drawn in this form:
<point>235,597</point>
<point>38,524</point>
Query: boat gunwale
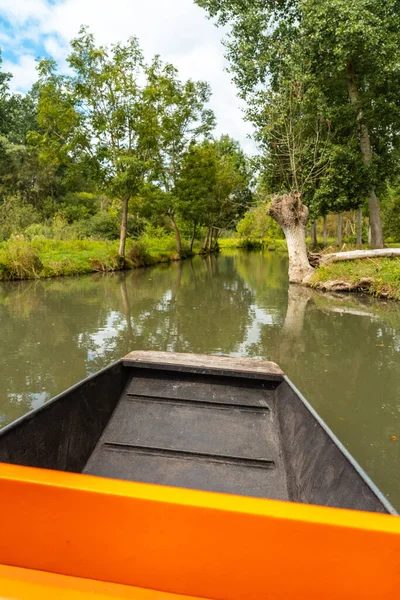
<point>32,413</point>
<point>350,458</point>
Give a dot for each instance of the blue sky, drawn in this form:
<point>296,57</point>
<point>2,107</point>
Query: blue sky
<point>176,29</point>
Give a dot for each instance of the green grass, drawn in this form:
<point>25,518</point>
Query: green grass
<point>380,276</point>
<point>21,259</point>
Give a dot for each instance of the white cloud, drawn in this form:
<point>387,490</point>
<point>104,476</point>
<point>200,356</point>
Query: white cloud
<point>178,30</point>
<point>55,48</point>
<point>24,72</point>
<point>21,11</point>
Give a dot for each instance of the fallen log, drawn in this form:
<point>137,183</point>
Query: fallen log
<point>317,259</point>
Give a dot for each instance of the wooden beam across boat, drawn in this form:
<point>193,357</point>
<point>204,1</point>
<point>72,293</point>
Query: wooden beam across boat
<point>227,366</point>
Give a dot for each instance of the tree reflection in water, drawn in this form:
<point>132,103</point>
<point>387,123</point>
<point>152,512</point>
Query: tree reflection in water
<point>341,351</point>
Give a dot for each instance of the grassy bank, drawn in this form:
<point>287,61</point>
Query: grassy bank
<point>378,276</point>
<point>41,258</point>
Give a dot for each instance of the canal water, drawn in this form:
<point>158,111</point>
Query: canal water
<point>341,351</point>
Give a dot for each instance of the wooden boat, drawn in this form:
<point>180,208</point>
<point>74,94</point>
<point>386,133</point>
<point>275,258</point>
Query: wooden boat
<point>208,423</point>
<point>198,424</point>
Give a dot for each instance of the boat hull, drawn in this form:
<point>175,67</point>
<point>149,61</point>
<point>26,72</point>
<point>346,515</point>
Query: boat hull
<point>218,424</point>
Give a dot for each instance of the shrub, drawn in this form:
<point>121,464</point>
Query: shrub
<point>78,205</point>
<point>256,224</point>
<point>19,260</point>
<point>15,217</point>
<point>100,226</point>
<point>107,263</point>
<point>38,231</point>
<point>139,255</point>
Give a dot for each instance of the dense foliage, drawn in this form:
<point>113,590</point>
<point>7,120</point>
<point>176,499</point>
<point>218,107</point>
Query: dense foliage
<point>122,148</point>
<point>115,149</point>
<point>321,79</point>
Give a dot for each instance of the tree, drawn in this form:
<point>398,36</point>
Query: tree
<point>233,194</point>
<point>180,118</point>
<point>196,184</point>
<point>350,54</point>
<point>294,136</point>
<point>214,186</point>
<point>4,97</point>
<point>264,53</point>
<point>50,142</point>
<point>113,133</point>
<point>359,61</point>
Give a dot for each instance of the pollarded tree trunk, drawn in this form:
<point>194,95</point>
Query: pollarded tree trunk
<point>339,230</point>
<point>289,212</point>
<point>366,151</point>
<point>177,235</point>
<point>124,228</point>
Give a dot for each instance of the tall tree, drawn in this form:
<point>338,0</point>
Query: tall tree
<point>52,139</point>
<point>350,50</point>
<point>214,187</point>
<point>114,133</point>
<point>196,184</point>
<point>233,193</point>
<point>180,118</point>
<point>4,97</point>
<point>353,52</point>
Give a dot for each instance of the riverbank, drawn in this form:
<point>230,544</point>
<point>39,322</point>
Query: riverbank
<point>21,258</point>
<point>379,277</point>
<point>42,258</point>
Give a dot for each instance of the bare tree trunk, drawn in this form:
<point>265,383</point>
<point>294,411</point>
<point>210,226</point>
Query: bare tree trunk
<point>124,228</point>
<point>205,246</point>
<point>289,212</point>
<point>215,232</point>
<point>339,230</point>
<point>359,227</point>
<point>366,151</point>
<point>325,232</point>
<point>177,235</point>
<point>369,235</point>
<point>314,240</point>
<point>193,236</point>
<point>210,239</point>
<point>375,221</point>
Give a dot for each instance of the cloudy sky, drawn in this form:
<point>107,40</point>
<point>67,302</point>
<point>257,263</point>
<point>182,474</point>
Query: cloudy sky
<point>178,30</point>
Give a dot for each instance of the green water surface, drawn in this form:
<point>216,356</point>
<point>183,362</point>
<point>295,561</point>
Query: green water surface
<point>342,352</point>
